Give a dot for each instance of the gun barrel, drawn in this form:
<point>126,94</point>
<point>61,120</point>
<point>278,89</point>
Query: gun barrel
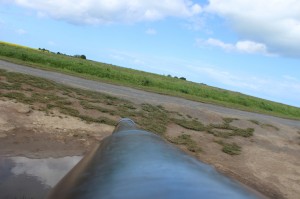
<point>136,164</point>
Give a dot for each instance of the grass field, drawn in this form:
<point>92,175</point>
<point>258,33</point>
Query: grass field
<point>142,80</point>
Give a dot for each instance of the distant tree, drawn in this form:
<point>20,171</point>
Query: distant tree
<point>169,75</point>
<point>175,77</point>
<point>80,56</point>
<point>44,50</point>
<point>182,78</point>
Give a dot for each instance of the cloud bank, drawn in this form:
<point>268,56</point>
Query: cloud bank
<point>111,11</point>
<point>274,23</point>
<point>245,46</point>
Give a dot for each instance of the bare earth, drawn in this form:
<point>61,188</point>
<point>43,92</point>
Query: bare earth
<point>30,133</point>
<point>269,161</point>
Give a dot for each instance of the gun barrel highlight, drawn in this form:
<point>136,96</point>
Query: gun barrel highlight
<point>136,164</point>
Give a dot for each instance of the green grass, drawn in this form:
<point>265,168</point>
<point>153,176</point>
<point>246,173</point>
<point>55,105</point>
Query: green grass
<point>255,122</point>
<point>229,119</point>
<point>230,148</point>
<point>153,118</point>
<point>190,124</point>
<point>270,125</point>
<point>187,141</point>
<point>232,131</point>
<point>142,80</point>
<point>226,130</point>
<point>262,125</point>
<point>18,96</point>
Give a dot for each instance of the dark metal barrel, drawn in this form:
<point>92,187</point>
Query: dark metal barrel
<point>136,164</point>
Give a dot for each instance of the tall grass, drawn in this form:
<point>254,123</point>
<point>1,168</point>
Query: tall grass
<point>142,80</point>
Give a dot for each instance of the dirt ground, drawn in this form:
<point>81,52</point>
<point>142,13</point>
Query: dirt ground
<point>270,159</point>
<point>269,162</point>
<point>31,133</point>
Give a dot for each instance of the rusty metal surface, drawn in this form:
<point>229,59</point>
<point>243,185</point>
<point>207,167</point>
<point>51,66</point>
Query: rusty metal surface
<point>135,164</point>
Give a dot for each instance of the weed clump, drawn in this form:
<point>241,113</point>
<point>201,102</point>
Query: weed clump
<point>254,122</point>
<point>229,120</point>
<point>190,124</point>
<point>187,141</point>
<point>230,148</point>
<point>270,125</point>
<point>226,130</point>
<point>153,118</point>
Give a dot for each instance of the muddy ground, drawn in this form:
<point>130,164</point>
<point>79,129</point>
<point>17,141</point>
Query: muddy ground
<point>269,161</point>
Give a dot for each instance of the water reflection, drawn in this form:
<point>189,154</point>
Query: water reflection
<point>32,178</point>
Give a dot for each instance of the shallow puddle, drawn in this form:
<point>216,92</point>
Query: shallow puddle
<point>24,178</point>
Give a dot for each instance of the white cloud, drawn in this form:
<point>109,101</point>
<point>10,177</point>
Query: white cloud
<point>49,171</point>
<point>151,31</point>
<point>251,47</point>
<point>111,11</point>
<point>51,43</point>
<point>276,23</point>
<point>196,9</point>
<point>240,46</point>
<point>291,78</point>
<point>195,23</point>
<point>21,31</point>
<point>218,43</point>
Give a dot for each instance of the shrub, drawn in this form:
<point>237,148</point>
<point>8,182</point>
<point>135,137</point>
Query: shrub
<point>231,149</point>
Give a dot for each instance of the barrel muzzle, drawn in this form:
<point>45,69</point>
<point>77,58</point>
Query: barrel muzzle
<point>125,124</point>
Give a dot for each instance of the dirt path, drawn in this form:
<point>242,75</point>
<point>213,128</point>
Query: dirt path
<point>139,95</point>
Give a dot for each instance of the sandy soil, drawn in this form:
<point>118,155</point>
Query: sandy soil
<point>30,133</point>
<point>269,162</point>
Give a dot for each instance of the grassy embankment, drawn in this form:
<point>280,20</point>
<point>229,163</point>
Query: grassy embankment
<point>142,80</point>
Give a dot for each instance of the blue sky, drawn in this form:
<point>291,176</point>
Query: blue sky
<point>252,47</point>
